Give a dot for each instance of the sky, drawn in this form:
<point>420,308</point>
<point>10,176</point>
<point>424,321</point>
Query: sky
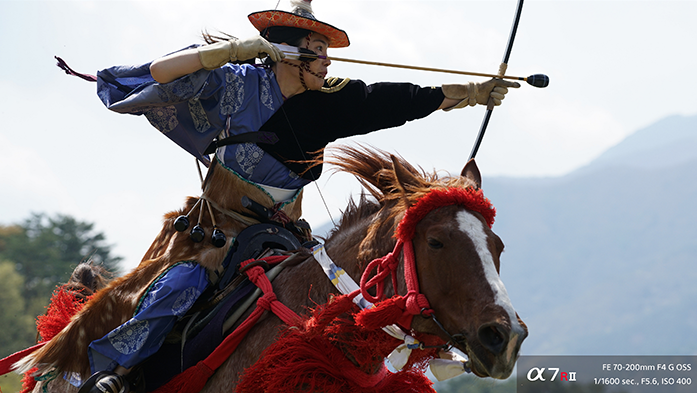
<point>614,66</point>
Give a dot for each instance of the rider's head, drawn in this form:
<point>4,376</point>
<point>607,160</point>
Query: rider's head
<point>300,28</point>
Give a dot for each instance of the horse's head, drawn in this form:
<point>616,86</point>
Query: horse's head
<point>88,278</point>
<point>453,266</point>
<point>457,263</point>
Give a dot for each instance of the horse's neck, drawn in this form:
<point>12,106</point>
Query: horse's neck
<point>225,189</point>
<point>355,246</point>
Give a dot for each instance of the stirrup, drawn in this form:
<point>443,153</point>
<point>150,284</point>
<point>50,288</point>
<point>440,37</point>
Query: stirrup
<point>105,382</point>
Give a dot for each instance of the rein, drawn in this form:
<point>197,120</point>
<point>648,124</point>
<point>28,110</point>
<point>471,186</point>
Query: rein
<point>402,309</point>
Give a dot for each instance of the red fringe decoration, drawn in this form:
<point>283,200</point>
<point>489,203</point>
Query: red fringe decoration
<point>383,314</point>
<point>28,382</point>
<point>468,197</point>
<point>314,355</point>
<point>64,304</point>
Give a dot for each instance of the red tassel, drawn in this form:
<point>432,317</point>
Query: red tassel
<point>190,381</point>
<point>307,357</point>
<point>410,381</point>
<point>385,313</point>
<point>64,305</point>
<point>468,197</point>
<point>28,382</point>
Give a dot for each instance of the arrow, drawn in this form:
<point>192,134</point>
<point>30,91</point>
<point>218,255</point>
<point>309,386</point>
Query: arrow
<point>292,52</point>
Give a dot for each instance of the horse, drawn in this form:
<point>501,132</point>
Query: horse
<point>457,258</point>
<point>456,263</point>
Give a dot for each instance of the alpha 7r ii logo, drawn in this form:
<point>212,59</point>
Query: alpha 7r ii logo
<point>626,374</point>
<point>550,374</point>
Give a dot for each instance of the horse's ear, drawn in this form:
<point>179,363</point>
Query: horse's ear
<point>405,178</point>
<point>470,171</point>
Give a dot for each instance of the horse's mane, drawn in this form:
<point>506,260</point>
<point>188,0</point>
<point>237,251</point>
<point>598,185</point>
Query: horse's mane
<point>354,214</point>
<point>374,170</point>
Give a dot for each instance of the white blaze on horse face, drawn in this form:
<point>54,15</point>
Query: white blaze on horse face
<point>474,228</point>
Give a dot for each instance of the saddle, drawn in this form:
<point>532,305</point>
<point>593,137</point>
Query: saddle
<point>217,310</point>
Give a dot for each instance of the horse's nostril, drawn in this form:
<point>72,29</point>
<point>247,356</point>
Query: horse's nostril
<point>492,337</point>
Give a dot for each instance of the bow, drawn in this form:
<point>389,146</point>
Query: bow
<point>502,71</point>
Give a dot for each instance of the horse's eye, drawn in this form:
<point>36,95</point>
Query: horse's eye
<point>433,243</point>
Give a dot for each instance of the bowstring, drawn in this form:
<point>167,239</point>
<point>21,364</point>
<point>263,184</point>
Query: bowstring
<point>314,179</point>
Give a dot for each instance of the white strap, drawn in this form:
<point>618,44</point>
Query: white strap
<point>345,284</point>
<point>442,368</point>
<point>448,366</point>
<point>342,281</point>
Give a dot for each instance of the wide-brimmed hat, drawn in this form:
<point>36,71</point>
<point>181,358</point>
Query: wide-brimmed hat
<point>301,17</point>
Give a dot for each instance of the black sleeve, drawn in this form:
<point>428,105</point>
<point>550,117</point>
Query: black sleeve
<point>307,122</point>
<point>362,109</point>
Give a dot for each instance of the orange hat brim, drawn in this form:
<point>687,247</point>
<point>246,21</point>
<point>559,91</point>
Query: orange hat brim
<point>263,19</point>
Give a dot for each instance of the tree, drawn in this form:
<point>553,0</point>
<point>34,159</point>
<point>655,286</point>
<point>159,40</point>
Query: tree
<point>45,250</point>
<point>35,257</point>
<point>16,326</point>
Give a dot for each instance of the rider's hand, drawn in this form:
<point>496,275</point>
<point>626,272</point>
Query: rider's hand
<point>496,89</point>
<point>257,46</point>
<point>478,93</point>
<point>217,54</point>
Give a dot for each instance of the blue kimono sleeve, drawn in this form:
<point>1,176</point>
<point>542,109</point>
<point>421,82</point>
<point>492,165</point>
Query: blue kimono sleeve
<point>183,110</point>
<point>194,109</point>
<point>169,298</point>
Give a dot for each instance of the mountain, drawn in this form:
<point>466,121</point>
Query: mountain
<point>668,142</point>
<point>602,260</point>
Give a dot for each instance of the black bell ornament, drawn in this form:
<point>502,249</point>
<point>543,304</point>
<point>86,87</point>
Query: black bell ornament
<point>218,239</point>
<point>181,223</point>
<point>197,234</point>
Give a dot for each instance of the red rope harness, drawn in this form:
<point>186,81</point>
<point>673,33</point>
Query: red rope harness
<point>414,302</point>
<point>401,309</point>
<point>195,377</point>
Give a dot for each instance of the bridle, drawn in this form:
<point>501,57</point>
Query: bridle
<point>415,302</point>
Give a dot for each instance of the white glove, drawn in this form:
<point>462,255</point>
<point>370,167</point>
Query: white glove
<point>215,55</point>
<point>478,93</point>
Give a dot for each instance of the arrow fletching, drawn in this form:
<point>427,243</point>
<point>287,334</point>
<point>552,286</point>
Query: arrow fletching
<point>296,53</point>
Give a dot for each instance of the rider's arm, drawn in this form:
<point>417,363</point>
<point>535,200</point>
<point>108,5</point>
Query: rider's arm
<point>175,65</point>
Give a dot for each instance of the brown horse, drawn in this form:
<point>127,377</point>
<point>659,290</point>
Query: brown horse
<point>456,254</point>
<point>457,258</point>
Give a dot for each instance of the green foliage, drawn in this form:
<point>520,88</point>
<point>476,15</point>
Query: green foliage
<point>35,257</point>
<point>45,250</point>
<point>16,326</point>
